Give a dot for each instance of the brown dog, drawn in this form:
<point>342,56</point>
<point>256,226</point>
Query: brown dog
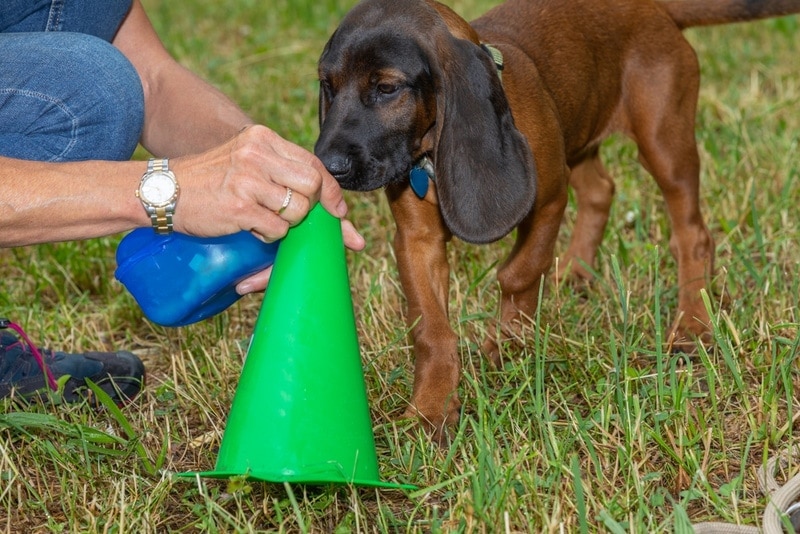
<point>407,84</point>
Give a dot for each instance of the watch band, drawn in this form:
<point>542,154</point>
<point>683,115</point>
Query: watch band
<point>160,217</point>
<point>162,221</point>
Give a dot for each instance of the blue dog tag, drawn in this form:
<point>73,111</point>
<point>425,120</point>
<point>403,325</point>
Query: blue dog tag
<point>419,181</point>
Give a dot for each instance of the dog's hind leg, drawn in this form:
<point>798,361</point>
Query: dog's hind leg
<point>662,106</point>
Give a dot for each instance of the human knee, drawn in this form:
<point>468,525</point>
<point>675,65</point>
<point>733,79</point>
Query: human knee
<point>110,107</point>
<point>68,97</point>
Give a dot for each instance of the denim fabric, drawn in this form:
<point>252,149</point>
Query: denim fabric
<point>66,94</point>
<point>100,18</point>
<point>67,97</point>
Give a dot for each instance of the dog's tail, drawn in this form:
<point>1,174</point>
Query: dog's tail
<point>690,13</point>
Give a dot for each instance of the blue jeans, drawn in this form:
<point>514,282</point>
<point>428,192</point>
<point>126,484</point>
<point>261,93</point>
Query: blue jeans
<point>66,93</point>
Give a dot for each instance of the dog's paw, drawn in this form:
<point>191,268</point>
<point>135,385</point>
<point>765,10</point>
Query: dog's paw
<point>580,283</point>
<point>491,350</point>
<point>682,340</point>
<point>499,350</point>
<point>440,424</point>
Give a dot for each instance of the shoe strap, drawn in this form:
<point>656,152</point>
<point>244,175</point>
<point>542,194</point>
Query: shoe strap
<point>51,381</point>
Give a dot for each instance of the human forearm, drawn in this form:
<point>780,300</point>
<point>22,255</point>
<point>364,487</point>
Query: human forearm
<point>239,185</point>
<point>47,202</point>
<point>183,113</point>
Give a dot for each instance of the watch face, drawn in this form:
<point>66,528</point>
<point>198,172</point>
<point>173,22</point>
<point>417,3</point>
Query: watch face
<point>158,189</point>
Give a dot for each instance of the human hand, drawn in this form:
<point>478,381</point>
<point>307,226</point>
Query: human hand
<point>244,183</point>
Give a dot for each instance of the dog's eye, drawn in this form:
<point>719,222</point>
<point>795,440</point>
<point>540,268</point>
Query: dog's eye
<point>387,88</point>
<point>326,88</point>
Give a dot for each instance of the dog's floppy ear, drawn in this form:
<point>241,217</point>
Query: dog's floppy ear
<point>485,172</point>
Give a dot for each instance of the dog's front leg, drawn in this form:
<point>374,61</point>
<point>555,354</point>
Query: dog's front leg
<point>594,191</point>
<point>421,249</point>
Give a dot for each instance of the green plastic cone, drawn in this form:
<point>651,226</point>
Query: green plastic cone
<point>300,413</point>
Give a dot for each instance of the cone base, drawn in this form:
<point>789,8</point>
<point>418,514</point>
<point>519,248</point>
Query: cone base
<point>279,478</point>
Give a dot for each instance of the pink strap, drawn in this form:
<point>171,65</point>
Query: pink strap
<point>36,354</point>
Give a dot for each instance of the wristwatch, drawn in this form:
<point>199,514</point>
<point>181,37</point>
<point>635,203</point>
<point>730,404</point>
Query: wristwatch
<point>158,192</point>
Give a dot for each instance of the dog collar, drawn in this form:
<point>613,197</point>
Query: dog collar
<point>497,57</point>
<point>420,175</point>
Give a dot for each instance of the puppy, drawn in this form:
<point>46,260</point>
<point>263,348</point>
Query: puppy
<point>474,129</point>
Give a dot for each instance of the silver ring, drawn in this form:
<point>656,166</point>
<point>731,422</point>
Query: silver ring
<point>286,200</point>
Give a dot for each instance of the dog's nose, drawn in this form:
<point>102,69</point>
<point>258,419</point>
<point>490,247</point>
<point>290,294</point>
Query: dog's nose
<point>338,166</point>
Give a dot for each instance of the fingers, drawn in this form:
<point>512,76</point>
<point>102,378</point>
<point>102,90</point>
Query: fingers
<point>257,282</point>
<point>290,204</point>
<point>352,239</point>
<point>331,196</point>
<point>295,175</point>
<point>301,172</point>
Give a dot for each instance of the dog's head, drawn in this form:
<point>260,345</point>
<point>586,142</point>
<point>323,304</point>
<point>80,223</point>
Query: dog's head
<point>402,79</point>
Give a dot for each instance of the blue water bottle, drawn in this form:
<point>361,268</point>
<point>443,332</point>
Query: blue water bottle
<point>179,279</point>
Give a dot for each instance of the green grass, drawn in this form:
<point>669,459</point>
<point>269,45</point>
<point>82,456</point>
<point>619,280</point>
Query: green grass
<point>590,428</point>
